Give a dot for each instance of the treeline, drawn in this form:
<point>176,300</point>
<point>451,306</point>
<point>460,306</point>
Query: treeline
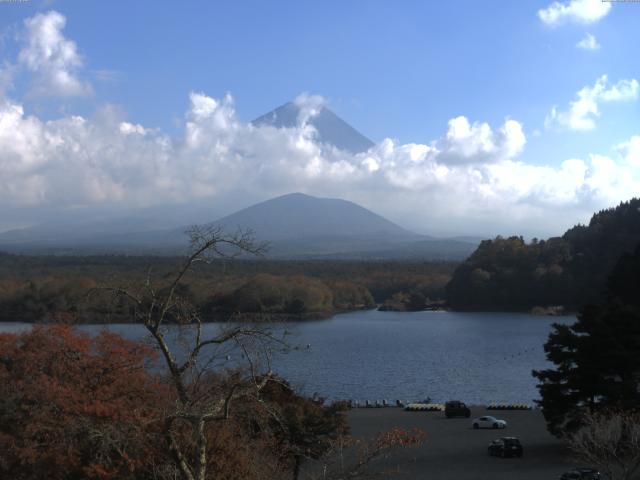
<point>67,289</point>
<point>511,274</point>
<point>266,294</point>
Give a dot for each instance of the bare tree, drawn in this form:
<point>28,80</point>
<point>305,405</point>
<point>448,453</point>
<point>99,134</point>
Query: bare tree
<point>609,440</point>
<point>200,397</point>
<point>352,458</point>
<point>205,390</point>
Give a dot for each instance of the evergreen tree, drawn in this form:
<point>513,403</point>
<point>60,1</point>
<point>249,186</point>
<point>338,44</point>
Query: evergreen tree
<point>597,359</point>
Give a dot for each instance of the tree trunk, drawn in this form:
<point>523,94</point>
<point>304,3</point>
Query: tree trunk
<point>296,467</point>
<point>202,450</point>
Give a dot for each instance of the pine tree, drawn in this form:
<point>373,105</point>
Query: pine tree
<point>597,359</point>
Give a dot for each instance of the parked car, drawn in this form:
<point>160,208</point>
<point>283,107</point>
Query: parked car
<point>506,447</point>
<point>581,474</point>
<point>488,422</point>
<point>456,408</point>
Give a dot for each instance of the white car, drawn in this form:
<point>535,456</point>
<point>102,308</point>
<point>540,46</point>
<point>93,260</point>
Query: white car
<point>488,422</point>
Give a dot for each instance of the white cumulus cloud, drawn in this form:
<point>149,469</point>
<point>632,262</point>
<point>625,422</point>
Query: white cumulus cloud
<point>580,11</point>
<point>630,150</point>
<point>467,143</point>
<point>309,106</point>
<point>583,111</point>
<point>53,59</point>
<point>471,174</point>
<point>589,42</point>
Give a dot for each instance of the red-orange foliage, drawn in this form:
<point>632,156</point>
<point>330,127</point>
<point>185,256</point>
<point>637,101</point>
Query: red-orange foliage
<point>75,406</point>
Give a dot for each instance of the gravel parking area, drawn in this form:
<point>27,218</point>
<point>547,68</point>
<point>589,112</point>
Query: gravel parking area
<point>454,450</point>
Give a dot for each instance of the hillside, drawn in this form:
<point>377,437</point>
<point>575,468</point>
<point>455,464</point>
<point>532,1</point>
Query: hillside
<point>301,216</point>
<point>302,226</point>
<point>572,270</point>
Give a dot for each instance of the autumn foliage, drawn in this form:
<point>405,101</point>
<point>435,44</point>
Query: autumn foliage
<point>42,289</point>
<point>75,406</point>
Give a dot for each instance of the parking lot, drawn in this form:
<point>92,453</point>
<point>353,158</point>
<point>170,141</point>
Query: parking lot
<point>454,450</point>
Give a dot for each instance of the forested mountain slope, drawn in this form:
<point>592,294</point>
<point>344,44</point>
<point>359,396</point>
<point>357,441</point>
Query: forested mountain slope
<point>510,274</point>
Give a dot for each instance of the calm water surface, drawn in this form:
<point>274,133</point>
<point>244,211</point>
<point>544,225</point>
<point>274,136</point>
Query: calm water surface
<point>477,357</point>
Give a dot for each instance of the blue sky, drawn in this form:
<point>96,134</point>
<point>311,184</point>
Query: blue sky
<point>392,70</point>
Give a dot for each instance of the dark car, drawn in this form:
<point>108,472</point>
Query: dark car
<point>581,474</point>
<point>506,447</point>
<point>456,408</point>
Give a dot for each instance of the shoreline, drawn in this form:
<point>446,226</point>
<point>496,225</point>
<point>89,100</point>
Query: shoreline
<point>275,318</point>
<point>248,318</point>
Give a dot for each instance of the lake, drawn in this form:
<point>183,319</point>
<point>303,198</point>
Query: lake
<point>371,355</point>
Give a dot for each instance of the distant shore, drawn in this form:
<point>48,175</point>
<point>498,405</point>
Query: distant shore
<point>255,317</point>
<point>245,317</point>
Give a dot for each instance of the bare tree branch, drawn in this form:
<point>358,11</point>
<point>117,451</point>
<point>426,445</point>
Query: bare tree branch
<point>611,441</point>
<point>197,402</point>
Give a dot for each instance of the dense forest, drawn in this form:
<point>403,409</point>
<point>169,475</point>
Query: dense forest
<point>568,271</point>
<point>66,288</point>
